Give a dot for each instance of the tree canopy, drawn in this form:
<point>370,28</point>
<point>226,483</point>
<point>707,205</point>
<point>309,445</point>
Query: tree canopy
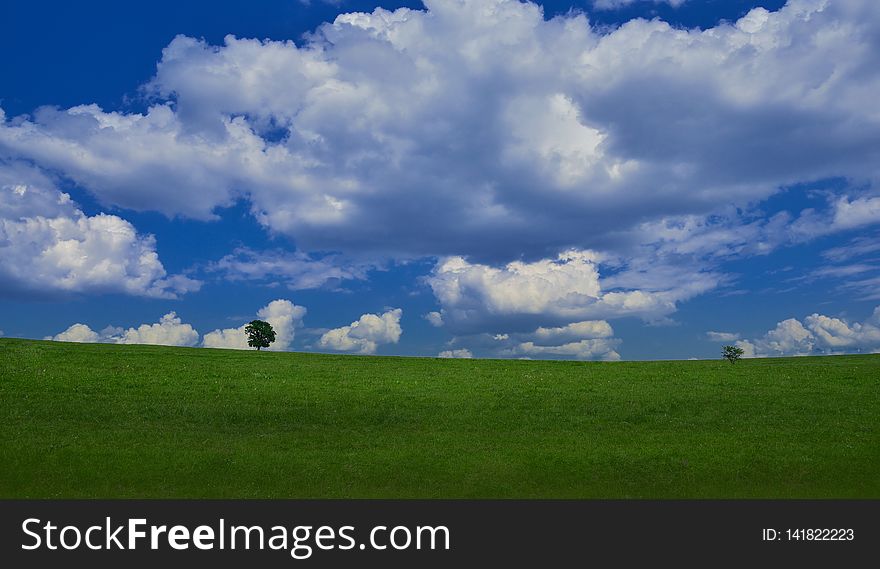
<point>260,334</point>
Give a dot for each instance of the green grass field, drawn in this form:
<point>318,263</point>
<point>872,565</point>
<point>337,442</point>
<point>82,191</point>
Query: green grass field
<point>145,421</point>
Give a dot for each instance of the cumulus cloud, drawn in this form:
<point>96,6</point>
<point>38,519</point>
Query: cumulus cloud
<point>283,315</point>
<point>582,350</point>
<point>366,334</point>
<point>586,340</point>
<point>478,128</point>
<point>789,338</point>
<point>169,331</point>
<point>137,161</point>
<point>585,329</point>
<point>48,245</point>
<point>817,334</point>
<point>583,340</point>
<point>835,333</point>
<point>77,333</point>
<point>459,353</point>
<point>565,289</point>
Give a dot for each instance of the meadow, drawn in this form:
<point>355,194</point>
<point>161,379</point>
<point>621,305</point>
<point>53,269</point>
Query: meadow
<point>81,421</point>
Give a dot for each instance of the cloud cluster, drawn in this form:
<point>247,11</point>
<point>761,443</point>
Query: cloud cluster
<point>552,307</point>
<point>560,290</point>
<point>461,353</point>
<point>283,315</point>
<point>366,334</point>
<point>585,340</point>
<point>581,349</point>
<point>582,340</point>
<point>169,331</point>
<point>478,128</point>
<point>817,334</point>
<point>48,245</point>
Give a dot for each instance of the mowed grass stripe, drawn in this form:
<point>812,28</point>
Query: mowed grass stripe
<point>148,421</point>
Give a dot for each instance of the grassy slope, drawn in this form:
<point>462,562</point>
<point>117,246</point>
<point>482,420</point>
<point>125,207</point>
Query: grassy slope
<point>144,421</point>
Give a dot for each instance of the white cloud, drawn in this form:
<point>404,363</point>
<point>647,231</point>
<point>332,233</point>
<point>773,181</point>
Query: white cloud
<point>366,334</point>
<point>722,336</point>
<point>817,334</point>
<point>77,333</point>
<point>849,214</point>
<point>532,288</point>
<point>460,353</point>
<point>585,329</point>
<point>283,315</point>
<point>582,349</point>
<point>548,308</point>
<point>586,340</point>
<point>434,318</point>
<point>48,245</point>
<point>169,331</point>
<point>565,289</point>
<point>478,128</point>
<point>843,214</point>
<point>835,333</point>
<point>229,338</point>
<point>145,162</point>
<point>789,338</point>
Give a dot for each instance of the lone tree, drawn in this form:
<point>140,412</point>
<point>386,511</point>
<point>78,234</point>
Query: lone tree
<point>260,334</point>
<point>732,353</point>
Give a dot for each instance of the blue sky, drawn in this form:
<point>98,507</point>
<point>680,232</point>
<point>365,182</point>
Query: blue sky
<point>612,180</point>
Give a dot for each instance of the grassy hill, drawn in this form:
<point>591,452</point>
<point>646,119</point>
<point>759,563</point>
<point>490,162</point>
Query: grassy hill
<point>148,421</point>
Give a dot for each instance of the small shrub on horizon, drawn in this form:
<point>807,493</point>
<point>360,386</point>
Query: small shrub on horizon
<point>732,353</point>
